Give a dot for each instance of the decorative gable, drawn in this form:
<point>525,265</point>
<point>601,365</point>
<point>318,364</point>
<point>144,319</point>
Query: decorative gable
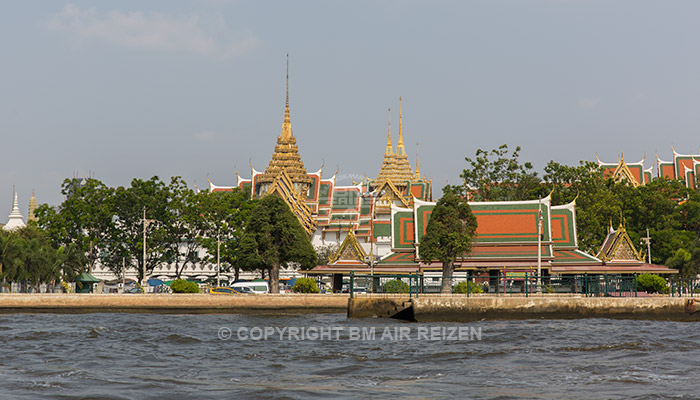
<point>284,187</point>
<point>618,247</point>
<point>350,250</point>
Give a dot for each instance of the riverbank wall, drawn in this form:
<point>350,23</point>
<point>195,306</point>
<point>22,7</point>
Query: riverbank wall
<point>173,303</point>
<point>437,308</point>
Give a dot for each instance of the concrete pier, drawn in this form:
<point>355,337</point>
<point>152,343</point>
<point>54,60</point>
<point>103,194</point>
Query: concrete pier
<point>448,308</point>
<point>173,303</point>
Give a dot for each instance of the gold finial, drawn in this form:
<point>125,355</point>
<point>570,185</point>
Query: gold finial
<point>287,124</point>
<point>417,163</point>
<point>389,149</point>
<point>400,149</point>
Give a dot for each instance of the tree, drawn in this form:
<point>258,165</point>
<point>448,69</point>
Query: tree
<point>184,225</point>
<point>225,215</point>
<point>502,178</point>
<point>597,204</point>
<point>449,234</point>
<point>84,219</point>
<point>126,240</point>
<point>325,252</point>
<point>274,237</point>
<point>27,255</point>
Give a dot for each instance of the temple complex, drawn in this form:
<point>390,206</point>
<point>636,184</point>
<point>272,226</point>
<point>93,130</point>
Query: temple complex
<point>378,223</point>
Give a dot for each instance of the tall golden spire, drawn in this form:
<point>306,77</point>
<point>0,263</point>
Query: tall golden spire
<point>286,155</point>
<point>417,163</point>
<point>287,124</point>
<point>400,149</point>
<point>389,148</point>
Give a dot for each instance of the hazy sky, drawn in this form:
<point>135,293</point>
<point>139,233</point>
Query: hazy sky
<point>135,89</point>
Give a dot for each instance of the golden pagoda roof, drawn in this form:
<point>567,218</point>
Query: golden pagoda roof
<point>286,156</point>
<point>31,216</point>
<point>396,166</point>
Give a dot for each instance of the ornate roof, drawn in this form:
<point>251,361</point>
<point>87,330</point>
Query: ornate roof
<point>622,171</point>
<point>618,247</point>
<point>395,167</point>
<point>284,187</point>
<point>350,250</point>
<point>286,156</point>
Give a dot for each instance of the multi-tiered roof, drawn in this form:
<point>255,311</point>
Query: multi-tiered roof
<point>286,155</point>
<point>395,166</point>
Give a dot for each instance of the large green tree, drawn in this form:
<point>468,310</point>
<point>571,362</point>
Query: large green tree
<point>498,175</point>
<point>274,237</point>
<point>225,215</point>
<point>83,221</point>
<point>449,234</point>
<point>184,225</point>
<point>149,197</point>
<point>27,255</point>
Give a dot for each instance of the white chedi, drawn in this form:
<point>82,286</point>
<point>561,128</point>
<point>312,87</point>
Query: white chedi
<point>15,220</point>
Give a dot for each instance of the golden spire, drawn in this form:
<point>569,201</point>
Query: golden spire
<point>287,124</point>
<point>396,167</point>
<point>417,163</point>
<point>31,216</point>
<point>389,148</point>
<point>400,149</point>
<point>286,155</point>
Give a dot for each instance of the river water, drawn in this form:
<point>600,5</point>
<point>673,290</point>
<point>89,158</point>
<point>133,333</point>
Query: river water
<point>307,356</point>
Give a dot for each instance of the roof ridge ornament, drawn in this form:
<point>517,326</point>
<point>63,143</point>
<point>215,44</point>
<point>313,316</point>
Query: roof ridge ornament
<point>417,163</point>
<point>400,149</point>
<point>389,148</point>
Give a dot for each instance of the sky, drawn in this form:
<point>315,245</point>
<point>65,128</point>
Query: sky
<point>133,89</point>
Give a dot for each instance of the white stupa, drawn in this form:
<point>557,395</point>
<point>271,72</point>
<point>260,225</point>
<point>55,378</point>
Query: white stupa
<point>15,220</point>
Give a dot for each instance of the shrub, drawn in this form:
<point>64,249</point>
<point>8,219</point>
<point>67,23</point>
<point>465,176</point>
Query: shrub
<point>305,285</point>
<point>651,283</point>
<point>396,286</point>
<point>183,286</point>
<point>462,287</point>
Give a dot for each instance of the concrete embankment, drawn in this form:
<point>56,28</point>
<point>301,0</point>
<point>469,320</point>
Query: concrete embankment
<point>173,303</point>
<point>435,308</point>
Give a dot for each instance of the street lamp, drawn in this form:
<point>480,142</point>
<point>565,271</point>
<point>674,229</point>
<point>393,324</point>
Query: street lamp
<point>218,257</point>
<point>539,246</point>
<point>143,267</point>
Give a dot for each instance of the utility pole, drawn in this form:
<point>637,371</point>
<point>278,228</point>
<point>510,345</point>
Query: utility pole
<point>218,257</point>
<point>648,242</point>
<point>143,266</point>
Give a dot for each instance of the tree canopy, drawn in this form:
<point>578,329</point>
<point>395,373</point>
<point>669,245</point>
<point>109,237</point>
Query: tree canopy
<point>274,237</point>
<point>449,234</point>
